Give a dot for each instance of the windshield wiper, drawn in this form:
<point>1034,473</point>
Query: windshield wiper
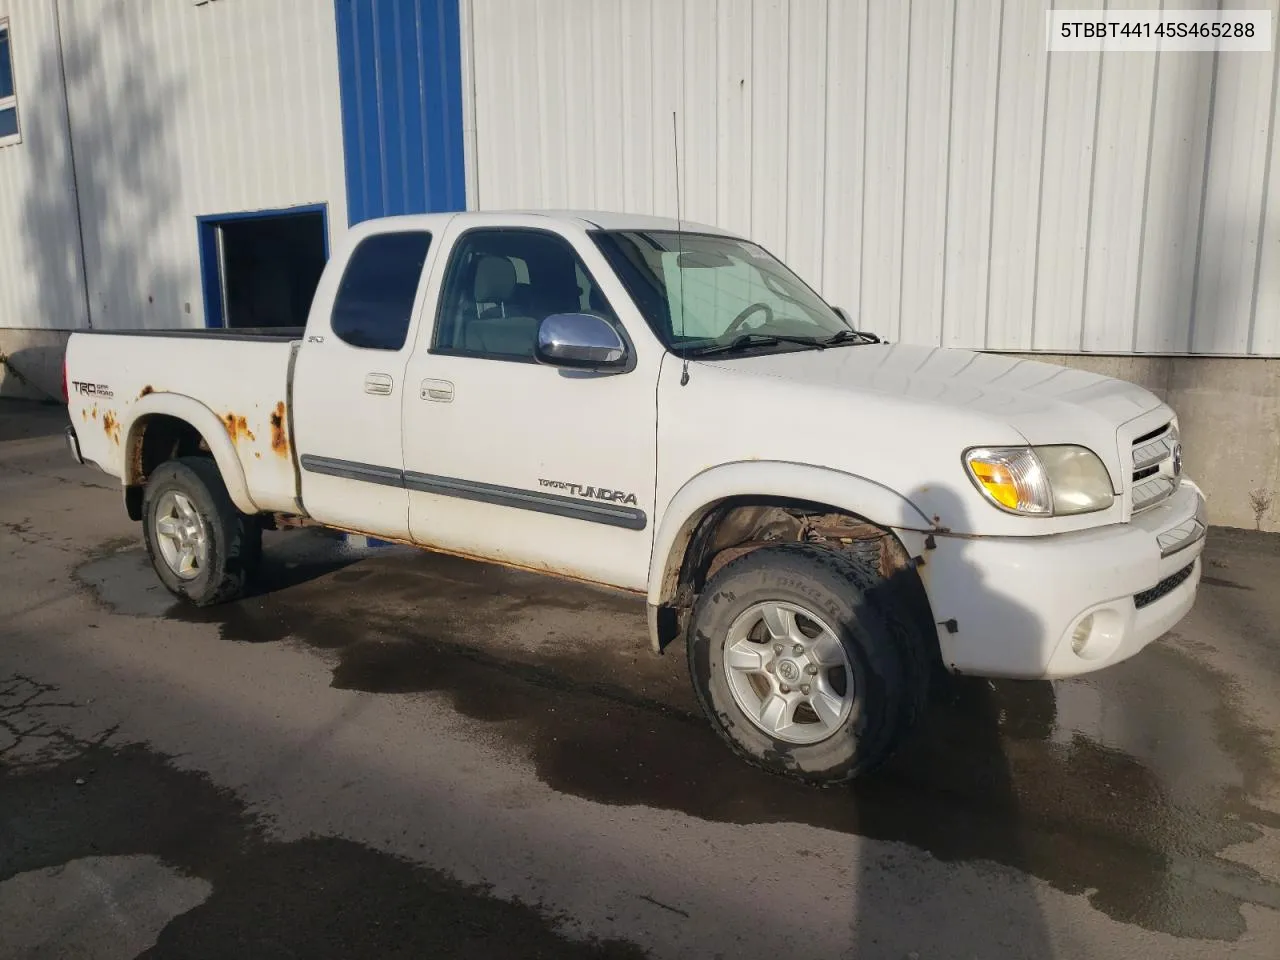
<point>745,340</point>
<point>849,336</point>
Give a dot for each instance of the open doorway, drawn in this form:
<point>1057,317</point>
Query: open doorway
<point>261,269</point>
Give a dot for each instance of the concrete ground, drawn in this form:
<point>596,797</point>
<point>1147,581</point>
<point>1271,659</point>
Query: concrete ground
<point>387,754</point>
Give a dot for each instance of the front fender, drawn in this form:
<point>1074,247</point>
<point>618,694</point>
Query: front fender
<point>210,427</point>
<point>767,478</point>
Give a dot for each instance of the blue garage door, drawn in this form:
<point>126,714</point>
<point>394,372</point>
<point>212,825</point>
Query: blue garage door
<point>400,70</point>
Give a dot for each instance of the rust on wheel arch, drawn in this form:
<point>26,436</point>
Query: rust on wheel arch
<point>237,426</point>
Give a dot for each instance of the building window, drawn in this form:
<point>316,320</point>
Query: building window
<point>8,98</point>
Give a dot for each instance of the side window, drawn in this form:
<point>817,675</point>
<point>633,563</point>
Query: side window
<point>502,284</point>
<point>8,95</point>
<point>374,304</point>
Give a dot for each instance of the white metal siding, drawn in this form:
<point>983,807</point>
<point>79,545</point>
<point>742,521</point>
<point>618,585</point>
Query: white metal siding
<point>178,111</point>
<point>40,279</point>
<point>923,162</point>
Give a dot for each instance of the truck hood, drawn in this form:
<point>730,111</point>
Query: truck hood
<point>1043,402</point>
<point>1038,399</point>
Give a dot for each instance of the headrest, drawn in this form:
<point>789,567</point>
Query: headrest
<point>495,279</point>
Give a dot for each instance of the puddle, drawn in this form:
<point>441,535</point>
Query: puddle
<point>1123,786</point>
<point>120,575</point>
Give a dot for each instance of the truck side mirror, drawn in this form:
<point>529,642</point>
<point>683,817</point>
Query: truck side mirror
<point>579,340</point>
<point>843,314</point>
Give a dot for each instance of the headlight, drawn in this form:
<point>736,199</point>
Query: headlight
<point>1041,481</point>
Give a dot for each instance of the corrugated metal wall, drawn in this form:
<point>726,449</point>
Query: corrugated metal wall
<point>923,162</point>
<point>40,270</point>
<point>177,111</point>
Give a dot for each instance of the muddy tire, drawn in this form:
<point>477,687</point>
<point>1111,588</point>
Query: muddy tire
<point>807,662</point>
<point>203,549</point>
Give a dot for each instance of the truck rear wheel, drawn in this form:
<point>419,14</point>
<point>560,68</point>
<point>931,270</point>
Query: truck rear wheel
<point>808,662</point>
<point>203,549</point>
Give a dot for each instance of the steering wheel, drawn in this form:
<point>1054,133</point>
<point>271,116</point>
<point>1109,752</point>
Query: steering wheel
<point>741,318</point>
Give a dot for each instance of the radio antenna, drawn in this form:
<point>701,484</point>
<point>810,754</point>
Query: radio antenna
<point>675,149</point>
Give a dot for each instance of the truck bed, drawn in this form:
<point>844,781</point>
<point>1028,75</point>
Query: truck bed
<point>236,382</point>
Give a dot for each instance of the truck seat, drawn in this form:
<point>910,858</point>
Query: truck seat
<point>501,325</point>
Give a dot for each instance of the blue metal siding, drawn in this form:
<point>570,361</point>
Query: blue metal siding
<point>400,73</point>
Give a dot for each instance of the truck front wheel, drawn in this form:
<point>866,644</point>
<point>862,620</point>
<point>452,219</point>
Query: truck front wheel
<point>203,548</point>
<point>808,662</point>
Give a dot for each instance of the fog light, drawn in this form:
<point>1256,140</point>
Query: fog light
<point>1080,636</point>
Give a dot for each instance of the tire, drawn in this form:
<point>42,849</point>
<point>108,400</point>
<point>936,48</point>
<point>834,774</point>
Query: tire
<point>189,492</point>
<point>842,608</point>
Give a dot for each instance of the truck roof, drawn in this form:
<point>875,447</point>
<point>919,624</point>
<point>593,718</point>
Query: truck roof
<point>612,220</point>
<point>603,219</point>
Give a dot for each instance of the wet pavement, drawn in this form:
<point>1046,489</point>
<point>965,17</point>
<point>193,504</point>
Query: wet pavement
<point>389,753</point>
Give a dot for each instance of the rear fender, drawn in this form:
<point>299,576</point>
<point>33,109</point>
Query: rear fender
<point>210,427</point>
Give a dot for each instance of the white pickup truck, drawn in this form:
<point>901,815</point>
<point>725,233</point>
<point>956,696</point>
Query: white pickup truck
<point>821,517</point>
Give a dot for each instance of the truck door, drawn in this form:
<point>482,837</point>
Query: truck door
<point>349,380</point>
<point>510,459</point>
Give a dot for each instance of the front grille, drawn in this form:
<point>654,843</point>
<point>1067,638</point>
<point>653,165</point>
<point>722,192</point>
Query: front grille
<point>1152,478</point>
<point>1150,492</point>
<point>1163,588</point>
<point>1150,436</point>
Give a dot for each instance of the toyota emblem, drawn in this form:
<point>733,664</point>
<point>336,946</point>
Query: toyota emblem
<point>1177,459</point>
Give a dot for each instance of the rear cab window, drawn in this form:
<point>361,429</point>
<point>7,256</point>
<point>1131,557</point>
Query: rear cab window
<point>373,307</point>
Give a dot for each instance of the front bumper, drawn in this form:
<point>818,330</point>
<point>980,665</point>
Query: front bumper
<point>1063,605</point>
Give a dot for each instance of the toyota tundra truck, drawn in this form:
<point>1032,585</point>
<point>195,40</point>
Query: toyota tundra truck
<point>825,521</point>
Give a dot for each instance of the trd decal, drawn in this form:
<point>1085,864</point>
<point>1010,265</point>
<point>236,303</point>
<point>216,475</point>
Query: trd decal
<point>92,389</point>
<point>589,493</point>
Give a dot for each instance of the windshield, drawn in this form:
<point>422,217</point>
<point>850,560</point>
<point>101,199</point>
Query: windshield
<point>702,293</point>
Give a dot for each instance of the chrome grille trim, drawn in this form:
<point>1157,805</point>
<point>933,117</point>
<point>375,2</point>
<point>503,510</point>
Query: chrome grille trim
<point>1152,479</point>
<point>1150,492</point>
<point>1153,453</point>
<point>1180,537</point>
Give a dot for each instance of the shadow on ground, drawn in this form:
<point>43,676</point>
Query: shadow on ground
<point>26,419</point>
<point>1130,805</point>
<point>64,801</point>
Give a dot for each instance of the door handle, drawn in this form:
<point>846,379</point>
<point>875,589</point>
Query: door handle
<point>379,384</point>
<point>439,390</point>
